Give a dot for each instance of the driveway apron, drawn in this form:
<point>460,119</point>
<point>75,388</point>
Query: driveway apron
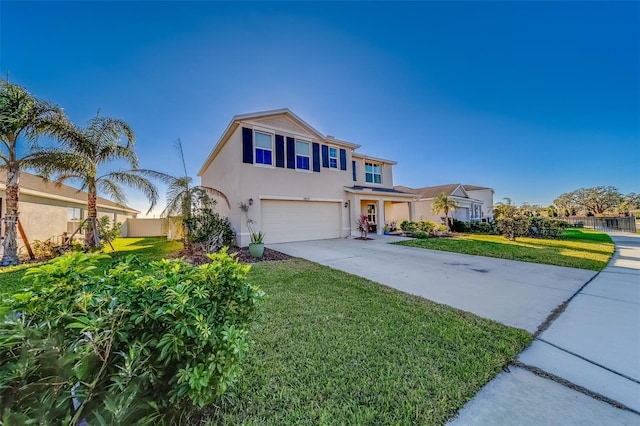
<point>517,294</point>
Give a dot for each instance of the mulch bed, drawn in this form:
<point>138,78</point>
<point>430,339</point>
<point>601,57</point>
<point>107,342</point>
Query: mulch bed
<point>197,257</point>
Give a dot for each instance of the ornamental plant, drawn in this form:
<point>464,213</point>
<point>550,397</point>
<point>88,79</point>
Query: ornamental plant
<point>137,344</point>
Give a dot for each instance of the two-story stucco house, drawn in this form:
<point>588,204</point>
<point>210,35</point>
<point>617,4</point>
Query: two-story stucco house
<point>475,203</point>
<point>298,183</point>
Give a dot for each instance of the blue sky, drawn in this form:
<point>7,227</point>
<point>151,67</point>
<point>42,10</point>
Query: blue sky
<point>532,99</point>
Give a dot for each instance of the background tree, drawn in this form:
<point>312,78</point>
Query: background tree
<point>86,151</point>
<point>597,200</point>
<point>183,197</point>
<point>23,118</point>
<point>442,203</point>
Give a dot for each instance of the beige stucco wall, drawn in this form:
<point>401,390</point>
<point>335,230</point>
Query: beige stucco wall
<point>387,173</point>
<point>145,227</point>
<point>45,218</point>
<point>397,212</point>
<point>241,182</point>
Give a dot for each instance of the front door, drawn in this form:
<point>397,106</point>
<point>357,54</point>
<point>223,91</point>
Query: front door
<point>371,217</point>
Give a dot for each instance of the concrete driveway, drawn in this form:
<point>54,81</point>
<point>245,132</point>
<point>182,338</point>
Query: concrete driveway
<point>517,294</point>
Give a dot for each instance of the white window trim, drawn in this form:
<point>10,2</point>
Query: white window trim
<point>310,169</point>
<point>337,157</point>
<point>373,173</point>
<point>272,149</point>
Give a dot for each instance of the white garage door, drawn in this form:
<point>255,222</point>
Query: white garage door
<point>284,221</point>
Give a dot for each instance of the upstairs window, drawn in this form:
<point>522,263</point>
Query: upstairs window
<point>264,148</point>
<point>333,158</point>
<point>302,155</point>
<point>373,172</point>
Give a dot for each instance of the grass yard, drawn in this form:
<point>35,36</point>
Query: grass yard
<point>147,249</point>
<point>580,248</point>
<point>333,348</point>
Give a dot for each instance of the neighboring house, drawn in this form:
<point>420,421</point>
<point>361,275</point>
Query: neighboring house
<point>47,210</point>
<point>475,202</point>
<point>298,183</point>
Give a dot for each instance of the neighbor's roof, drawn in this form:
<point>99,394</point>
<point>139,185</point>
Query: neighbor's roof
<point>34,185</point>
<point>475,188</point>
<point>235,122</point>
<point>434,191</point>
<point>431,191</point>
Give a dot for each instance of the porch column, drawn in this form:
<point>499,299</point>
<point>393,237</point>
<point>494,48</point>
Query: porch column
<point>380,227</point>
<point>412,211</point>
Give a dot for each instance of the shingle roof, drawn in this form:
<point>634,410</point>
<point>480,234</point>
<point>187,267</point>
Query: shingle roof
<point>36,183</point>
<point>474,188</point>
<point>434,191</point>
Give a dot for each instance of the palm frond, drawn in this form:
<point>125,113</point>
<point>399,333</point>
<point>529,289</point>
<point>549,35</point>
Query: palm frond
<point>134,180</point>
<point>21,112</point>
<point>154,174</point>
<point>178,146</point>
<point>48,161</point>
<point>112,190</point>
<point>215,192</point>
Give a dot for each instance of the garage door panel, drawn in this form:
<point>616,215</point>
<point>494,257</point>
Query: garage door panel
<point>284,221</point>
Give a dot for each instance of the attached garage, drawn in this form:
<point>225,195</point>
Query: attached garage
<point>286,221</point>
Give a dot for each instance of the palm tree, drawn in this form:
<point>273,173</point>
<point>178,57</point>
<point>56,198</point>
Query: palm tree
<point>85,151</point>
<point>442,203</point>
<point>21,116</point>
<point>182,195</point>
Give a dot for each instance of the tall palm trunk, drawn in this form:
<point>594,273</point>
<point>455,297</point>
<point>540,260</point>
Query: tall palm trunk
<point>92,238</point>
<point>10,244</point>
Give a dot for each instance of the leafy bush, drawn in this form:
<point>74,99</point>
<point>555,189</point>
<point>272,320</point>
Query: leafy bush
<point>460,226</point>
<point>420,234</point>
<point>514,226</point>
<point>543,227</point>
<point>208,230</point>
<point>407,226</point>
<point>426,226</point>
<point>44,249</point>
<point>140,344</point>
<point>108,232</point>
<point>484,227</point>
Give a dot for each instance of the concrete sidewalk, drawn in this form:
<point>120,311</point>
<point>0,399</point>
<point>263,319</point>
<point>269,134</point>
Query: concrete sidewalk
<point>594,343</point>
<point>518,294</point>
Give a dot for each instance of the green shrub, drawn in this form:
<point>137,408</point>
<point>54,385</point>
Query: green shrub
<point>514,226</point>
<point>460,226</point>
<point>483,228</point>
<point>139,344</point>
<point>420,234</point>
<point>407,226</point>
<point>426,226</point>
<point>208,230</point>
<point>543,227</point>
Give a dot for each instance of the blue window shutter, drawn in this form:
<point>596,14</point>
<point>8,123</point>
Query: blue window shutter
<point>279,151</point>
<point>343,159</point>
<point>247,145</point>
<point>316,157</point>
<point>353,168</point>
<point>325,156</point>
<point>291,153</point>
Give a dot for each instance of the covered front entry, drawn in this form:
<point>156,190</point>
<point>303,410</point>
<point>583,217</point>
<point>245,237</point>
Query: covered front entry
<point>285,221</point>
<point>382,206</point>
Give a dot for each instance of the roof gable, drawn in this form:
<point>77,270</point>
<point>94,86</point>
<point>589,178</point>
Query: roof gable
<point>287,122</point>
<point>282,119</point>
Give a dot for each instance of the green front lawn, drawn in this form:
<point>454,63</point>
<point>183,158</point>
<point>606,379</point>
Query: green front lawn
<point>579,248</point>
<point>147,249</point>
<point>333,348</point>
